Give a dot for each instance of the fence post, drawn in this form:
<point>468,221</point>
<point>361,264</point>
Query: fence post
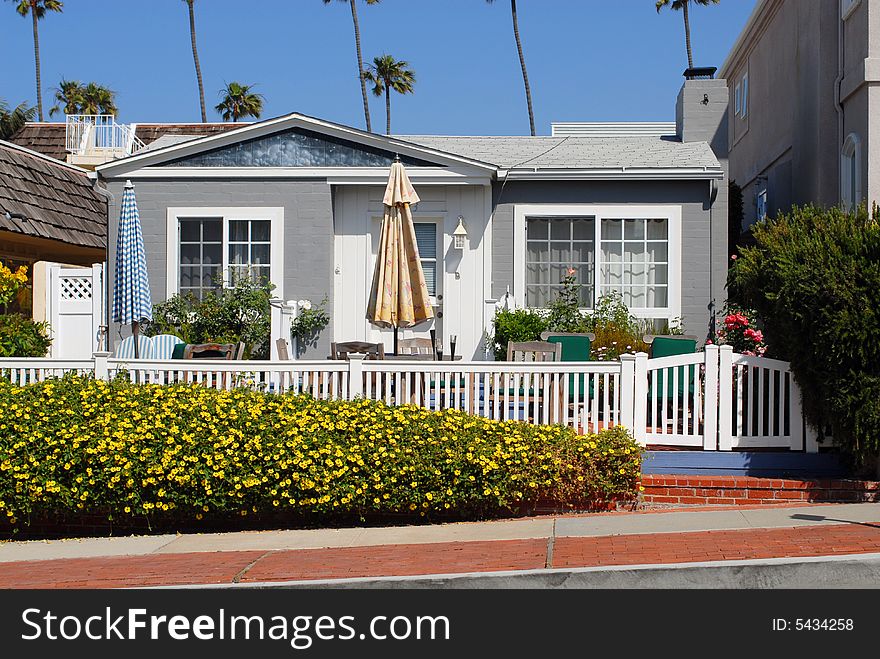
<point>102,372</point>
<point>725,398</point>
<point>710,398</point>
<point>627,381</point>
<point>640,399</point>
<point>355,375</point>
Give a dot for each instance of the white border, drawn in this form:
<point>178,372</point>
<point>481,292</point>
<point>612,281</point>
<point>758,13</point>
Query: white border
<point>670,212</point>
<point>276,252</point>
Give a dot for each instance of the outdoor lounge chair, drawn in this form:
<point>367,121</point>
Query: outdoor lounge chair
<point>666,345</point>
<point>125,350</point>
<point>164,345</point>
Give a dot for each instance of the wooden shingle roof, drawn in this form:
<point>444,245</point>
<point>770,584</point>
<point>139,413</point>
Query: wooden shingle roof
<point>49,199</point>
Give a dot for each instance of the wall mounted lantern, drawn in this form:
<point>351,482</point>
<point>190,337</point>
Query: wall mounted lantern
<point>459,236</point>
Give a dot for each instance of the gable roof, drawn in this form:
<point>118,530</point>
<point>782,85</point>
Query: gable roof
<point>47,198</point>
<point>177,151</point>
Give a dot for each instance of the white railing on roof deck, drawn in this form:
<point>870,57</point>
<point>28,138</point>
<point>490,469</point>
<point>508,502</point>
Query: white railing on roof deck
<point>99,133</point>
<point>714,400</point>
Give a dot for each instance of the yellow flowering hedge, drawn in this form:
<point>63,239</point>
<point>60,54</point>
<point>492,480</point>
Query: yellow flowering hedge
<point>79,445</point>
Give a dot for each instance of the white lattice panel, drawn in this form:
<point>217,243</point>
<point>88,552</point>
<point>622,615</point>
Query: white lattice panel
<point>76,288</point>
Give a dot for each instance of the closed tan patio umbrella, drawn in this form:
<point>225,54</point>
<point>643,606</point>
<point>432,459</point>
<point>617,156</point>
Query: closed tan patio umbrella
<point>399,296</point>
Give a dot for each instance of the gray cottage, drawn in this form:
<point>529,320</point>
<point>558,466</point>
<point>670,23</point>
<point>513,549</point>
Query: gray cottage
<point>299,199</point>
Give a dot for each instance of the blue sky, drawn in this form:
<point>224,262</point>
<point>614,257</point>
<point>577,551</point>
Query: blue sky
<point>588,60</point>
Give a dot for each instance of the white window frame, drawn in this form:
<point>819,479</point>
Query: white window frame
<point>851,158</point>
<point>737,103</point>
<point>671,213</point>
<point>275,215</point>
<point>427,217</point>
<point>744,100</point>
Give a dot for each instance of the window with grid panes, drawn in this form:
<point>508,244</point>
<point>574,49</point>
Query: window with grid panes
<point>634,260</point>
<point>201,255</point>
<point>553,246</point>
<point>426,241</point>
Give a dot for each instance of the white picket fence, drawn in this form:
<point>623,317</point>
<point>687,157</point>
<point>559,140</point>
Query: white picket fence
<point>714,400</point>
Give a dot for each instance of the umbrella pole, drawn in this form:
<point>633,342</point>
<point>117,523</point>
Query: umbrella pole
<point>395,339</point>
<point>135,331</point>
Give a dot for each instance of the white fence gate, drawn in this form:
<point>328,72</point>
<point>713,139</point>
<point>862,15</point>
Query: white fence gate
<point>75,310</point>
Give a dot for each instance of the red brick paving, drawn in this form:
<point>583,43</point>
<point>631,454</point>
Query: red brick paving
<point>440,558</point>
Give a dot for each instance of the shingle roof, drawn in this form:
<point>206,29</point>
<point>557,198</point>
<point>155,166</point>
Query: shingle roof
<point>56,200</point>
<point>46,138</point>
<point>50,138</point>
<point>574,152</point>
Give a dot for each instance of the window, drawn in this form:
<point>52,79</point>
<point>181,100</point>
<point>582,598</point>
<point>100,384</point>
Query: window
<point>210,247</point>
<point>847,7</point>
<point>553,246</point>
<point>850,172</point>
<point>744,100</point>
<point>634,261</point>
<point>737,103</point>
<point>201,255</point>
<point>633,250</point>
<point>426,241</point>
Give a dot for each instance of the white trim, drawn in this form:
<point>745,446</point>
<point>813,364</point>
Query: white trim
<point>294,120</point>
<point>172,243</point>
<point>744,102</point>
<point>851,151</point>
<point>333,175</point>
<point>670,212</point>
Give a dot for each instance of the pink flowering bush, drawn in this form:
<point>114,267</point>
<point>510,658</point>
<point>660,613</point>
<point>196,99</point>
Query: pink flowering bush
<point>738,330</point>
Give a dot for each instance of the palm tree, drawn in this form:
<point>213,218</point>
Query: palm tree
<point>683,6</point>
<point>37,9</point>
<point>238,101</point>
<point>12,120</point>
<point>97,99</point>
<point>360,58</point>
<point>73,97</point>
<point>192,35</point>
<point>68,97</point>
<point>385,74</point>
<point>522,63</point>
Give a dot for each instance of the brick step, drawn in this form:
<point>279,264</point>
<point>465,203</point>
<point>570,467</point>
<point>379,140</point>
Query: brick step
<point>672,490</point>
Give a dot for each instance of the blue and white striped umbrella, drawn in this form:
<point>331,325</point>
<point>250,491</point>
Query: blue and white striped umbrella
<point>131,288</point>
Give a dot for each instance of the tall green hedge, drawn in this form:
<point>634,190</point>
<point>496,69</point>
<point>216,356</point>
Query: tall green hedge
<point>814,279</point>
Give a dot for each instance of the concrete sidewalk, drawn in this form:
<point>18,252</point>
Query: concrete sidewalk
<point>540,543</point>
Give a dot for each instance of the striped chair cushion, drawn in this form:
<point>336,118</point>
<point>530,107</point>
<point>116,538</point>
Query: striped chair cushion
<point>125,350</point>
<point>163,345</point>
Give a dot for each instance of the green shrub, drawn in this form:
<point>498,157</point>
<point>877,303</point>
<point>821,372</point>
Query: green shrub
<point>77,444</point>
<point>516,325</point>
<point>229,315</point>
<point>814,279</point>
<point>23,337</point>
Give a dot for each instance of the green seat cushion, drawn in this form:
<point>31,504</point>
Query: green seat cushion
<point>574,349</point>
<point>179,349</point>
<point>663,346</point>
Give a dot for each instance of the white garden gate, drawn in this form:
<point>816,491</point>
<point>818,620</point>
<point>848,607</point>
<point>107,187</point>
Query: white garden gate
<point>75,310</point>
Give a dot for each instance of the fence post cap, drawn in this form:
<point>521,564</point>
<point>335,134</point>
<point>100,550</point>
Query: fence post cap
<point>100,354</point>
<point>356,356</point>
<point>641,355</point>
<point>627,357</point>
<point>726,348</point>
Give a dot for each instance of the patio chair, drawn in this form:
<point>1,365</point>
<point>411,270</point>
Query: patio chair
<point>165,344</point>
<point>283,349</point>
<point>531,351</point>
<point>344,349</point>
<point>667,345</point>
<point>575,348</point>
<point>146,350</point>
<point>415,346</point>
<point>209,351</point>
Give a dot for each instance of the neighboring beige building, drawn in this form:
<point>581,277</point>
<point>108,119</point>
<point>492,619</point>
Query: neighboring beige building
<point>804,118</point>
